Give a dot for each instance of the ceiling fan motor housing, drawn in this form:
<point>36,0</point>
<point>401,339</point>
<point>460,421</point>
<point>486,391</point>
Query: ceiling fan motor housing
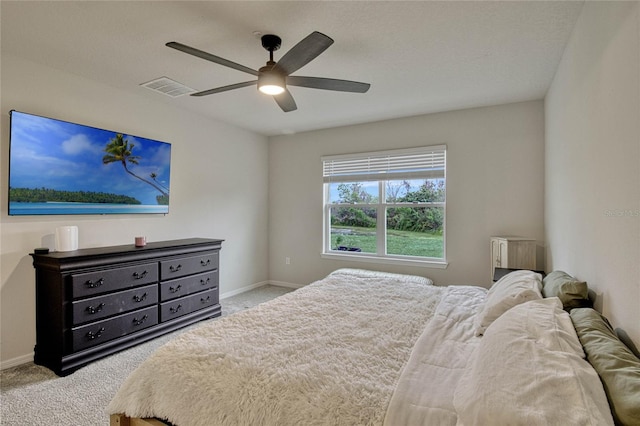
<point>270,80</point>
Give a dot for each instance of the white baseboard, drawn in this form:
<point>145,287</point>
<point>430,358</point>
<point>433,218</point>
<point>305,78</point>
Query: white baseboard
<point>14,362</point>
<point>242,289</point>
<point>286,284</point>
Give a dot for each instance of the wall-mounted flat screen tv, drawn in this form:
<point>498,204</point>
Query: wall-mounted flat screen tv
<point>62,168</point>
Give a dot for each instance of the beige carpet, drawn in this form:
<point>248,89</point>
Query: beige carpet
<point>33,395</point>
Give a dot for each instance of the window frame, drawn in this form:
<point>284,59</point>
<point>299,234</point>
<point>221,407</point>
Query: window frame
<point>369,166</point>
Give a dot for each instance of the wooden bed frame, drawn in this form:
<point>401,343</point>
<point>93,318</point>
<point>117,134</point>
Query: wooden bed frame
<point>123,420</point>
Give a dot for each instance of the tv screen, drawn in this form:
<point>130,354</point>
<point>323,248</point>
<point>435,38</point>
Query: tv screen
<point>57,167</point>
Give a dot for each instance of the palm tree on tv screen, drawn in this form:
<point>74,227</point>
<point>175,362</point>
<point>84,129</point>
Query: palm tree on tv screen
<point>119,150</point>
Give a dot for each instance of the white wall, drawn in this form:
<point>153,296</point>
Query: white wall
<point>495,171</point>
<point>218,188</point>
<point>592,155</point>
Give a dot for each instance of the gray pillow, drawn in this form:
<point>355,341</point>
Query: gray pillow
<point>571,292</point>
<point>617,366</point>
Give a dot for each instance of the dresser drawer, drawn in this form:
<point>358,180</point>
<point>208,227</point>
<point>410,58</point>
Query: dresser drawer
<point>187,304</point>
<point>104,281</point>
<point>99,332</point>
<point>99,307</point>
<point>188,285</point>
<point>183,266</point>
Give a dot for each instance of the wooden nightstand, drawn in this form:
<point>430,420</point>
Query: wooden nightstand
<point>513,253</point>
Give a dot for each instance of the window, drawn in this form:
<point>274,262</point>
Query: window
<point>386,206</point>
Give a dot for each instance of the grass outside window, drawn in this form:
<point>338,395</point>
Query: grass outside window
<point>406,243</point>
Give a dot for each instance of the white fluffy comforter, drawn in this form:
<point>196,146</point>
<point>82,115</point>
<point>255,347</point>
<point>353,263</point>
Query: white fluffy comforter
<point>330,353</point>
<point>425,390</point>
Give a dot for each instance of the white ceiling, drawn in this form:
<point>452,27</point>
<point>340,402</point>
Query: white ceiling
<point>419,56</point>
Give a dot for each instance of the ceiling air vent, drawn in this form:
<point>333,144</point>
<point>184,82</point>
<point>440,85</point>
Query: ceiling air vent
<point>168,87</point>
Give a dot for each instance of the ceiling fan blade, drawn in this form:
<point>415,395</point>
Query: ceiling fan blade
<point>225,88</point>
<point>285,101</point>
<point>304,52</point>
<point>209,57</point>
<point>328,84</point>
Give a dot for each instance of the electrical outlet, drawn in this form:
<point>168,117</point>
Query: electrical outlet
<point>287,261</point>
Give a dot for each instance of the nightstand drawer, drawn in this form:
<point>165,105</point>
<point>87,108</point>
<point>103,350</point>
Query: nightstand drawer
<point>100,307</point>
<point>104,281</point>
<point>99,332</point>
<point>183,266</point>
<point>188,285</point>
<point>188,304</point>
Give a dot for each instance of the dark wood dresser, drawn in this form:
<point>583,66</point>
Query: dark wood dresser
<point>93,302</point>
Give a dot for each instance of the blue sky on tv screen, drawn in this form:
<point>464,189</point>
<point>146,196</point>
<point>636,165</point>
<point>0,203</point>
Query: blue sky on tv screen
<point>54,154</point>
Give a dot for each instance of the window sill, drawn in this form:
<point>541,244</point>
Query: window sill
<point>386,260</point>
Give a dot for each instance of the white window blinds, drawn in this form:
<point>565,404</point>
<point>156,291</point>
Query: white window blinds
<point>425,162</point>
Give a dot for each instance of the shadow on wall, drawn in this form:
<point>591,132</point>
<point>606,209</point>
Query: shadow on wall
<point>624,337</point>
<point>18,297</point>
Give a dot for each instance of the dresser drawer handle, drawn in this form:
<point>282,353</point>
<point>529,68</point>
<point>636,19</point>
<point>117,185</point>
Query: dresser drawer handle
<point>203,300</point>
<point>94,310</point>
<point>176,309</point>
<point>96,284</point>
<point>137,321</point>
<point>137,298</point>
<point>175,269</point>
<point>205,263</point>
<point>175,289</point>
<point>138,276</point>
<point>91,335</point>
<point>204,282</point>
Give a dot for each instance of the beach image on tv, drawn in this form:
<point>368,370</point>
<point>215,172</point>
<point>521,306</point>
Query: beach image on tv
<point>57,167</point>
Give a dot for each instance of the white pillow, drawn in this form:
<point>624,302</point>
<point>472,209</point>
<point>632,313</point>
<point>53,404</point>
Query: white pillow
<point>511,290</point>
<point>529,369</point>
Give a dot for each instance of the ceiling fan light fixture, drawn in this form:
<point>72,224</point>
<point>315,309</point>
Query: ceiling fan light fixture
<point>271,89</point>
<point>271,82</point>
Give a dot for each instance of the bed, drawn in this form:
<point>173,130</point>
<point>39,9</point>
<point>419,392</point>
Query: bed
<point>370,348</point>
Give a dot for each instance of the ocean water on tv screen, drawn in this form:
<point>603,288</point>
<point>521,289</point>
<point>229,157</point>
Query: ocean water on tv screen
<point>82,208</point>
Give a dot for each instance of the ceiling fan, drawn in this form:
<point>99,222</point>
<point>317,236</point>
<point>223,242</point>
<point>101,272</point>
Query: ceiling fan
<point>274,77</point>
